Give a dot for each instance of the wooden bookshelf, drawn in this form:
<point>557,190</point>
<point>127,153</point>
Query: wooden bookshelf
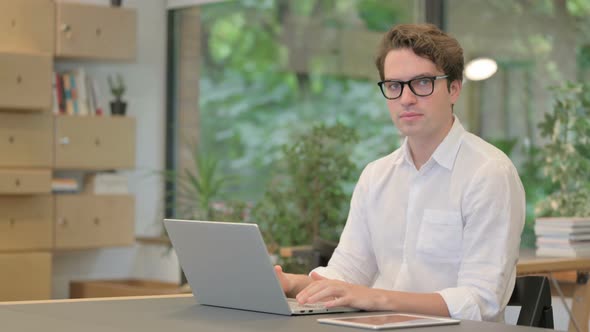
<point>34,142</point>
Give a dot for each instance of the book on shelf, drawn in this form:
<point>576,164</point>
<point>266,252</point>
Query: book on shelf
<point>54,97</point>
<point>64,185</point>
<point>80,79</point>
<point>67,93</point>
<point>60,93</point>
<point>75,92</point>
<point>92,107</point>
<point>97,106</point>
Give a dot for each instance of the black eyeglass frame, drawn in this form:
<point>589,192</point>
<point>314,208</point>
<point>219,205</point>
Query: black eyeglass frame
<point>408,83</point>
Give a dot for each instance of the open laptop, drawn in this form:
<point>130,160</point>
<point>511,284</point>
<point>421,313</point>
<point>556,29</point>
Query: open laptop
<point>227,265</point>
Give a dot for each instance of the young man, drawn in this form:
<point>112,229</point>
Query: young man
<point>434,227</point>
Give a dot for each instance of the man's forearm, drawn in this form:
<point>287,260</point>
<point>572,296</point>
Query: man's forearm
<point>421,303</point>
<point>340,293</point>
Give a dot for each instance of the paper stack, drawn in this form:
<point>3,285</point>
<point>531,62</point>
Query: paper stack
<point>106,184</point>
<point>62,185</point>
<point>563,237</point>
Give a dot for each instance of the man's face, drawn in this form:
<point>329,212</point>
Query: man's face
<point>423,118</point>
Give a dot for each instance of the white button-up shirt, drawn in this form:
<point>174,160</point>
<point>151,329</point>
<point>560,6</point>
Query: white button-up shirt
<point>452,227</point>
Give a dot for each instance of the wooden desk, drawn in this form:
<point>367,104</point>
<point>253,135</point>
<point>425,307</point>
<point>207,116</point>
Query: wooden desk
<point>577,287</point>
<point>181,313</point>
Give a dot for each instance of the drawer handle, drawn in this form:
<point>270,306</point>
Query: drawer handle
<point>97,142</point>
<point>63,222</point>
<point>67,30</point>
<point>97,221</point>
<point>98,32</point>
<point>66,27</point>
<point>12,222</point>
<point>10,139</point>
<point>17,182</point>
<point>13,23</point>
<point>64,141</point>
<point>19,79</point>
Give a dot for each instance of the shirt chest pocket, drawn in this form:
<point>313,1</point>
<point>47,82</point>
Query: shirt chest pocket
<point>441,236</point>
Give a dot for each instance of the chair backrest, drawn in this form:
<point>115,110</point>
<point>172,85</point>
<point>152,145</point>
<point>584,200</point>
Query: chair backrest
<point>533,294</point>
<point>322,251</point>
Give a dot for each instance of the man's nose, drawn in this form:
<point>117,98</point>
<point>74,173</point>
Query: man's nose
<point>408,97</point>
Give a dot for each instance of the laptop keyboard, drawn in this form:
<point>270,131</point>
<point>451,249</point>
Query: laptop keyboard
<point>297,306</point>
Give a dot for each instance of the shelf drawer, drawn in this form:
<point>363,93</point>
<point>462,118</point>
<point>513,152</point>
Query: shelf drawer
<point>26,222</point>
<point>26,140</point>
<point>93,221</point>
<point>25,83</point>
<point>27,25</point>
<point>25,181</point>
<point>86,31</point>
<point>94,143</point>
<point>25,276</point>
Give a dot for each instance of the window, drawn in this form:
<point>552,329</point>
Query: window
<point>272,69</point>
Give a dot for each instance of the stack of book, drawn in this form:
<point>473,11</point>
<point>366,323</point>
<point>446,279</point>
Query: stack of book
<point>76,93</point>
<point>106,184</point>
<point>563,237</point>
<point>64,185</point>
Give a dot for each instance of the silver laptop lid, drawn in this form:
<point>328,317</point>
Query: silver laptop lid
<point>227,265</point>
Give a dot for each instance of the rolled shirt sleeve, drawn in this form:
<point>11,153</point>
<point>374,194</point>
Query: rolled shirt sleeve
<point>494,213</point>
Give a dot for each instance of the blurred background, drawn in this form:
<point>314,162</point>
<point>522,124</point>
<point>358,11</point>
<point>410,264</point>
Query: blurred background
<point>261,111</point>
<point>270,70</point>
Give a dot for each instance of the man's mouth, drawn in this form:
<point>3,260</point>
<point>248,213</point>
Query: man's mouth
<point>410,115</point>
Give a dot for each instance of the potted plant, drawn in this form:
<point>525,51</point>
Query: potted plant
<point>307,197</point>
<point>566,162</point>
<point>197,193</point>
<point>118,106</point>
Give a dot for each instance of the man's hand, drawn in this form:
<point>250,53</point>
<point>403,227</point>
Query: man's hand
<point>292,283</point>
<point>286,284</point>
<point>335,293</point>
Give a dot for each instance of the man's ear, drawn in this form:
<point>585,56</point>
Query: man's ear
<point>455,90</point>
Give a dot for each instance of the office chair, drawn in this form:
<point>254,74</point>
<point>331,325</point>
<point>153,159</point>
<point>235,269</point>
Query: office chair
<point>533,294</point>
<point>322,251</point>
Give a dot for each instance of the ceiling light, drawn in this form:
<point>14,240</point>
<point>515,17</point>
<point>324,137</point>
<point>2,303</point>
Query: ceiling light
<point>480,69</point>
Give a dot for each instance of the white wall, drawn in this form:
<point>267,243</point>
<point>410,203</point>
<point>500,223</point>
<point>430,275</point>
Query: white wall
<point>146,87</point>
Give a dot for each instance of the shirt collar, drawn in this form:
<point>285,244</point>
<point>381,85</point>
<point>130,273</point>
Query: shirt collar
<point>406,155</point>
<point>447,150</point>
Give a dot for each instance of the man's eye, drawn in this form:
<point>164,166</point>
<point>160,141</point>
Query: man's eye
<point>393,86</point>
<point>423,82</point>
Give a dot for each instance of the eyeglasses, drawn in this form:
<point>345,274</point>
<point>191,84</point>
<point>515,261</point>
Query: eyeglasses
<point>420,86</point>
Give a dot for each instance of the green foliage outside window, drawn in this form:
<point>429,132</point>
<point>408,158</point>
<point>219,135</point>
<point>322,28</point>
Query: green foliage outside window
<point>252,102</point>
<point>306,197</point>
<point>566,155</point>
<point>295,141</point>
